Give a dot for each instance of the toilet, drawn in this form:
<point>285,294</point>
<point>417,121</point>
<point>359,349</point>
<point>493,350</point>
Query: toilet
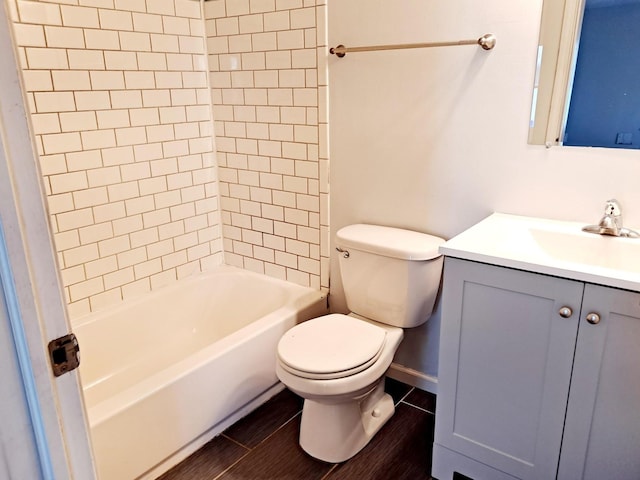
<point>337,362</point>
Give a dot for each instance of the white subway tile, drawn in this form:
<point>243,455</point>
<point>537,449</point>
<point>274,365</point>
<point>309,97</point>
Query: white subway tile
<point>126,99</point>
<point>291,39</point>
<point>276,21</point>
<point>264,41</point>
<point>179,62</point>
<point>189,44</point>
<point>151,61</point>
<point>37,80</point>
<point>135,41</point>
<point>144,22</point>
<point>148,151</point>
<point>44,123</point>
<point>164,43</point>
<point>305,58</point>
<point>144,116</point>
<point>303,18</point>
<point>114,245</point>
<point>115,20</point>
<point>135,171</point>
<point>156,98</point>
<point>98,139</point>
<point>61,143</point>
<point>80,255</point>
<point>159,133</point>
<point>154,218</point>
<point>46,58</point>
<point>78,121</point>
<point>123,191</point>
<point>161,7</point>
<point>131,136</point>
<point>86,59</point>
<point>144,237</point>
<point>76,16</point>
<point>176,25</point>
<point>64,37</point>
<point>187,8</point>
<point>106,80</point>
<point>168,79</point>
<point>73,220</point>
<point>251,24</point>
<point>39,13</point>
<point>97,100</point>
<point>111,211</point>
<point>261,6</point>
<point>103,176</point>
<point>112,118</point>
<point>227,26</point>
<point>214,8</point>
<point>84,160</point>
<point>85,289</point>
<point>139,80</point>
<point>131,5</point>
<point>288,4</point>
<point>120,60</point>
<point>124,275</point>
<point>122,226</point>
<point>95,233</point>
<point>138,205</point>
<point>71,80</point>
<point>239,43</point>
<point>102,39</point>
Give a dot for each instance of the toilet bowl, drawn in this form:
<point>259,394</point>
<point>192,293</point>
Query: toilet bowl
<point>336,424</point>
<point>337,362</point>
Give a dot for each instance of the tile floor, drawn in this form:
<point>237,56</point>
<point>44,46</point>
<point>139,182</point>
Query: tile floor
<point>264,445</point>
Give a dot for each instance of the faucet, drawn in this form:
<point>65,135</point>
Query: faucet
<point>611,222</point>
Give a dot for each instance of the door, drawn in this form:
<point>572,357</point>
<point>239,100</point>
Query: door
<point>506,353</point>
<point>602,433</point>
<point>55,444</point>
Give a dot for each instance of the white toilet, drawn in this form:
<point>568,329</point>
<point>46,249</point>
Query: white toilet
<point>337,362</point>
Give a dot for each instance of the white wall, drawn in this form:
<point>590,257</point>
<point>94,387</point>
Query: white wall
<point>436,139</point>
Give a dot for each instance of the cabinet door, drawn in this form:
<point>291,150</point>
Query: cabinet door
<point>505,364</point>
<point>602,433</point>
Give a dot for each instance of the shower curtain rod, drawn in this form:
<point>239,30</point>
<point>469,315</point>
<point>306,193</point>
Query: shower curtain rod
<point>487,42</point>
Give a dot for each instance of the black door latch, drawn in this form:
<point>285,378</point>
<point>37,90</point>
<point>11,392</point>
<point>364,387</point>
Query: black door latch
<point>65,354</point>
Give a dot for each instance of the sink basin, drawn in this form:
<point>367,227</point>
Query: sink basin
<point>551,247</point>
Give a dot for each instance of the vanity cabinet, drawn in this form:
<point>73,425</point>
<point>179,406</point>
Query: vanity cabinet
<point>527,387</point>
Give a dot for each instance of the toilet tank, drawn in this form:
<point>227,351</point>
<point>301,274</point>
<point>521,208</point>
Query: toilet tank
<point>389,275</point>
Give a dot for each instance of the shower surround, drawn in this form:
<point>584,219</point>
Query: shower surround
<point>122,95</point>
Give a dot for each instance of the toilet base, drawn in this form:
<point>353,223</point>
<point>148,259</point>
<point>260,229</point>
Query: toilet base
<point>335,432</point>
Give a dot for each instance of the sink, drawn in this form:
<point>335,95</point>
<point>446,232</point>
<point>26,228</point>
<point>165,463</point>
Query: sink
<point>550,247</point>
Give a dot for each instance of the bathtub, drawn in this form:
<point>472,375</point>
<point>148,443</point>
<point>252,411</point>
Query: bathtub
<point>164,374</point>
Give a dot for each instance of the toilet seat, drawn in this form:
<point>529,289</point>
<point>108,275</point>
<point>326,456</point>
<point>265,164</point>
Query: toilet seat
<point>329,347</point>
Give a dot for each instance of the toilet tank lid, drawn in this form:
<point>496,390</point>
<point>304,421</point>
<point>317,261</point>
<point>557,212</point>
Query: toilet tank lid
<point>389,241</point>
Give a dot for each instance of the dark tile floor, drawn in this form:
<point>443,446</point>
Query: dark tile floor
<point>264,445</point>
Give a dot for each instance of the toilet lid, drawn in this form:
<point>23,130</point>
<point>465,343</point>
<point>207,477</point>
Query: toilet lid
<point>331,346</point>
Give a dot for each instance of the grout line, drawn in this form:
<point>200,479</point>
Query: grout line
<point>236,442</point>
<point>405,396</point>
<point>326,475</point>
<point>417,407</point>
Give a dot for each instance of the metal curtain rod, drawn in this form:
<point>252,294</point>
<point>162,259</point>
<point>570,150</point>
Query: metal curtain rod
<point>487,42</point>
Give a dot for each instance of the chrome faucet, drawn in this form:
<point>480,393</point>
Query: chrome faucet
<point>611,222</point>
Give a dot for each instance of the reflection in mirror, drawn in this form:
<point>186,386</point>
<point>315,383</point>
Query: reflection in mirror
<point>586,91</point>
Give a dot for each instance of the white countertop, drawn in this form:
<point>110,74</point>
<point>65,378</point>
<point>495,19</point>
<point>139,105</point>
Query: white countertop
<point>550,247</point>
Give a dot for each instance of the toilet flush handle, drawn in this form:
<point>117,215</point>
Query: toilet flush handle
<point>345,253</point>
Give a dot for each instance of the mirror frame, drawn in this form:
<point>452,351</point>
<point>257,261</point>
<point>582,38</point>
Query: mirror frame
<point>560,29</point>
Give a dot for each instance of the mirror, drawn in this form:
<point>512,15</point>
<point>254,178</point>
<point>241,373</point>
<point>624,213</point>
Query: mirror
<point>586,90</point>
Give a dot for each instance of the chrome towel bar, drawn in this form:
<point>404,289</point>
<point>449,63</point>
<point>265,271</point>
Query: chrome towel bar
<point>487,42</point>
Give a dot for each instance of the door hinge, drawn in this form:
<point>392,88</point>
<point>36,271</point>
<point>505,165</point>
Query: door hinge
<point>65,354</point>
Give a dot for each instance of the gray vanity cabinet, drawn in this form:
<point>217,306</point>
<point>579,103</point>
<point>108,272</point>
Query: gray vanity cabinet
<point>507,348</point>
<point>602,429</point>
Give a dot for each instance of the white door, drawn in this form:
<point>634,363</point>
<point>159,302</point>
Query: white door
<point>44,432</point>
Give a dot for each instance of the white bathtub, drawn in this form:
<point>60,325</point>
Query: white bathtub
<point>167,372</point>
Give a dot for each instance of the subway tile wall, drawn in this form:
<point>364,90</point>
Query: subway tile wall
<point>267,62</point>
<point>120,103</point>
